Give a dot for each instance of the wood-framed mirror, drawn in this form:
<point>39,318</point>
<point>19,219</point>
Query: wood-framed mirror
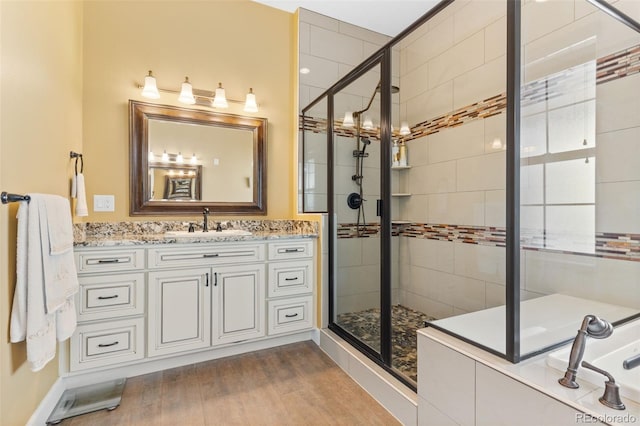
<point>182,160</point>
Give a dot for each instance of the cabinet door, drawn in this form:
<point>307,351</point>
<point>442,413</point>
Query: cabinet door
<point>179,307</point>
<point>238,303</point>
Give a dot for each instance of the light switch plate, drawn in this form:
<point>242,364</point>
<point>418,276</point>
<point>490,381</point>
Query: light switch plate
<point>104,203</point>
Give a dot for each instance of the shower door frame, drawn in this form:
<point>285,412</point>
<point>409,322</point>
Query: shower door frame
<point>381,58</point>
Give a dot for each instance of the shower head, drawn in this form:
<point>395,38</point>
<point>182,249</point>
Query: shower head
<point>365,141</point>
<point>598,328</point>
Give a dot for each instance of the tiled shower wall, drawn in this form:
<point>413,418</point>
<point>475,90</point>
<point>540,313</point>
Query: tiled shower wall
<point>458,165</point>
<point>452,79</point>
<point>330,49</point>
<point>458,161</point>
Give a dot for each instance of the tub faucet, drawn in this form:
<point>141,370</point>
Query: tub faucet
<point>205,226</point>
<point>591,326</point>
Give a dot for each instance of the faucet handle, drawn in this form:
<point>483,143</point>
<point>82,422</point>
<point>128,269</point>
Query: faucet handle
<point>611,397</point>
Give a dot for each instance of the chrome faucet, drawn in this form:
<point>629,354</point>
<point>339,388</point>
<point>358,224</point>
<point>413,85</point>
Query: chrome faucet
<point>205,226</point>
<point>591,326</point>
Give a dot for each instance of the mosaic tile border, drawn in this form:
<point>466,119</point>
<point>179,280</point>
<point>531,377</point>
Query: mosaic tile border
<point>617,65</point>
<point>608,68</point>
<point>607,245</point>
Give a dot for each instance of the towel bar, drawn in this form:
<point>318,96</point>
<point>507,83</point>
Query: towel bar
<point>12,198</point>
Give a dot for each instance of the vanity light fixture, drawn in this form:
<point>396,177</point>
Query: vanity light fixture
<point>368,123</point>
<point>151,158</point>
<point>220,98</point>
<point>186,93</point>
<point>189,95</point>
<point>347,121</point>
<point>179,158</point>
<point>165,157</point>
<point>250,104</point>
<point>404,129</point>
<point>194,159</point>
<point>150,89</point>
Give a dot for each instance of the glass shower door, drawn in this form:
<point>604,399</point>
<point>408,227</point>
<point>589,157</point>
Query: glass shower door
<point>356,190</point>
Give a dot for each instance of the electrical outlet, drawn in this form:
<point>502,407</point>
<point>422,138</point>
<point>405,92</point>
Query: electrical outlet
<point>104,203</point>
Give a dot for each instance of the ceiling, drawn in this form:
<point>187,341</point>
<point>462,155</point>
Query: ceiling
<point>383,16</point>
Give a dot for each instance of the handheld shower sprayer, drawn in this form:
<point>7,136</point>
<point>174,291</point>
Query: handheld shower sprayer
<point>591,326</point>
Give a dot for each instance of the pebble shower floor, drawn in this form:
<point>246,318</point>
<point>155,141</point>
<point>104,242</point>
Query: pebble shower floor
<point>365,325</point>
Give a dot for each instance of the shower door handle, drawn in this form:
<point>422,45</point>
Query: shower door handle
<point>379,208</point>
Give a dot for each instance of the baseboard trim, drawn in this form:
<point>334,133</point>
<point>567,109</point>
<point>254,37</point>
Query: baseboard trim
<point>48,403</point>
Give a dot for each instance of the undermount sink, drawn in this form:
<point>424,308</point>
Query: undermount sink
<point>207,235</point>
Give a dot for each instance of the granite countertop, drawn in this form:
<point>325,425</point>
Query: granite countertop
<point>136,239</point>
<point>153,233</point>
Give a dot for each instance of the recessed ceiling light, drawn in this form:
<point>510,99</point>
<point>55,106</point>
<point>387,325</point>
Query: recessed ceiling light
<point>304,70</point>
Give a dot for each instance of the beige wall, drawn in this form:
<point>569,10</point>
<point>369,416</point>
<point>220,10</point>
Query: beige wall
<point>41,121</point>
<point>240,43</point>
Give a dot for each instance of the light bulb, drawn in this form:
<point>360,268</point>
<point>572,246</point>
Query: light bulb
<point>220,99</point>
<point>151,157</point>
<point>179,158</point>
<point>186,94</point>
<point>348,119</point>
<point>193,160</point>
<point>150,89</point>
<point>404,129</point>
<point>165,156</point>
<point>250,104</point>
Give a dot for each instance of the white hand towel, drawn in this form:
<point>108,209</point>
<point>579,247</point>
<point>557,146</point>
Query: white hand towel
<point>18,330</point>
<point>74,186</point>
<point>42,279</point>
<point>81,202</point>
<point>56,233</point>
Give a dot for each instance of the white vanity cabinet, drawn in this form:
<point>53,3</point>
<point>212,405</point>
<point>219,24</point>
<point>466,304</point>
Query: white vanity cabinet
<point>290,286</point>
<point>238,303</point>
<point>161,301</point>
<point>221,298</point>
<point>110,308</point>
<point>179,302</point>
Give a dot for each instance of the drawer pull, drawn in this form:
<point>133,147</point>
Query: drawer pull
<point>291,315</point>
<point>106,345</point>
<point>108,260</point>
<point>293,250</point>
<point>107,297</point>
<point>291,279</point>
<point>211,255</point>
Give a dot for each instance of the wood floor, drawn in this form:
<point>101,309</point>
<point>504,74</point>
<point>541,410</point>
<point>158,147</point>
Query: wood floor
<point>295,384</point>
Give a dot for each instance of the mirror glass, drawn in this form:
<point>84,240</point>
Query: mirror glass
<point>183,160</point>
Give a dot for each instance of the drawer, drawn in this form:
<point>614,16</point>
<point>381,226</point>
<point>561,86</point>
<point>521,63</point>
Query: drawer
<point>205,255</point>
<point>88,261</point>
<point>110,296</point>
<point>288,315</point>
<point>291,249</point>
<point>104,344</point>
<point>290,278</point>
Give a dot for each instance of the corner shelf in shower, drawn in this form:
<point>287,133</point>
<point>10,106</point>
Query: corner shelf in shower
<point>401,194</point>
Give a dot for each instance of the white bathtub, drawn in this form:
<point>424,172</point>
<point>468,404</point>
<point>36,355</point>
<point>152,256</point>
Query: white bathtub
<point>544,321</point>
<point>608,355</point>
